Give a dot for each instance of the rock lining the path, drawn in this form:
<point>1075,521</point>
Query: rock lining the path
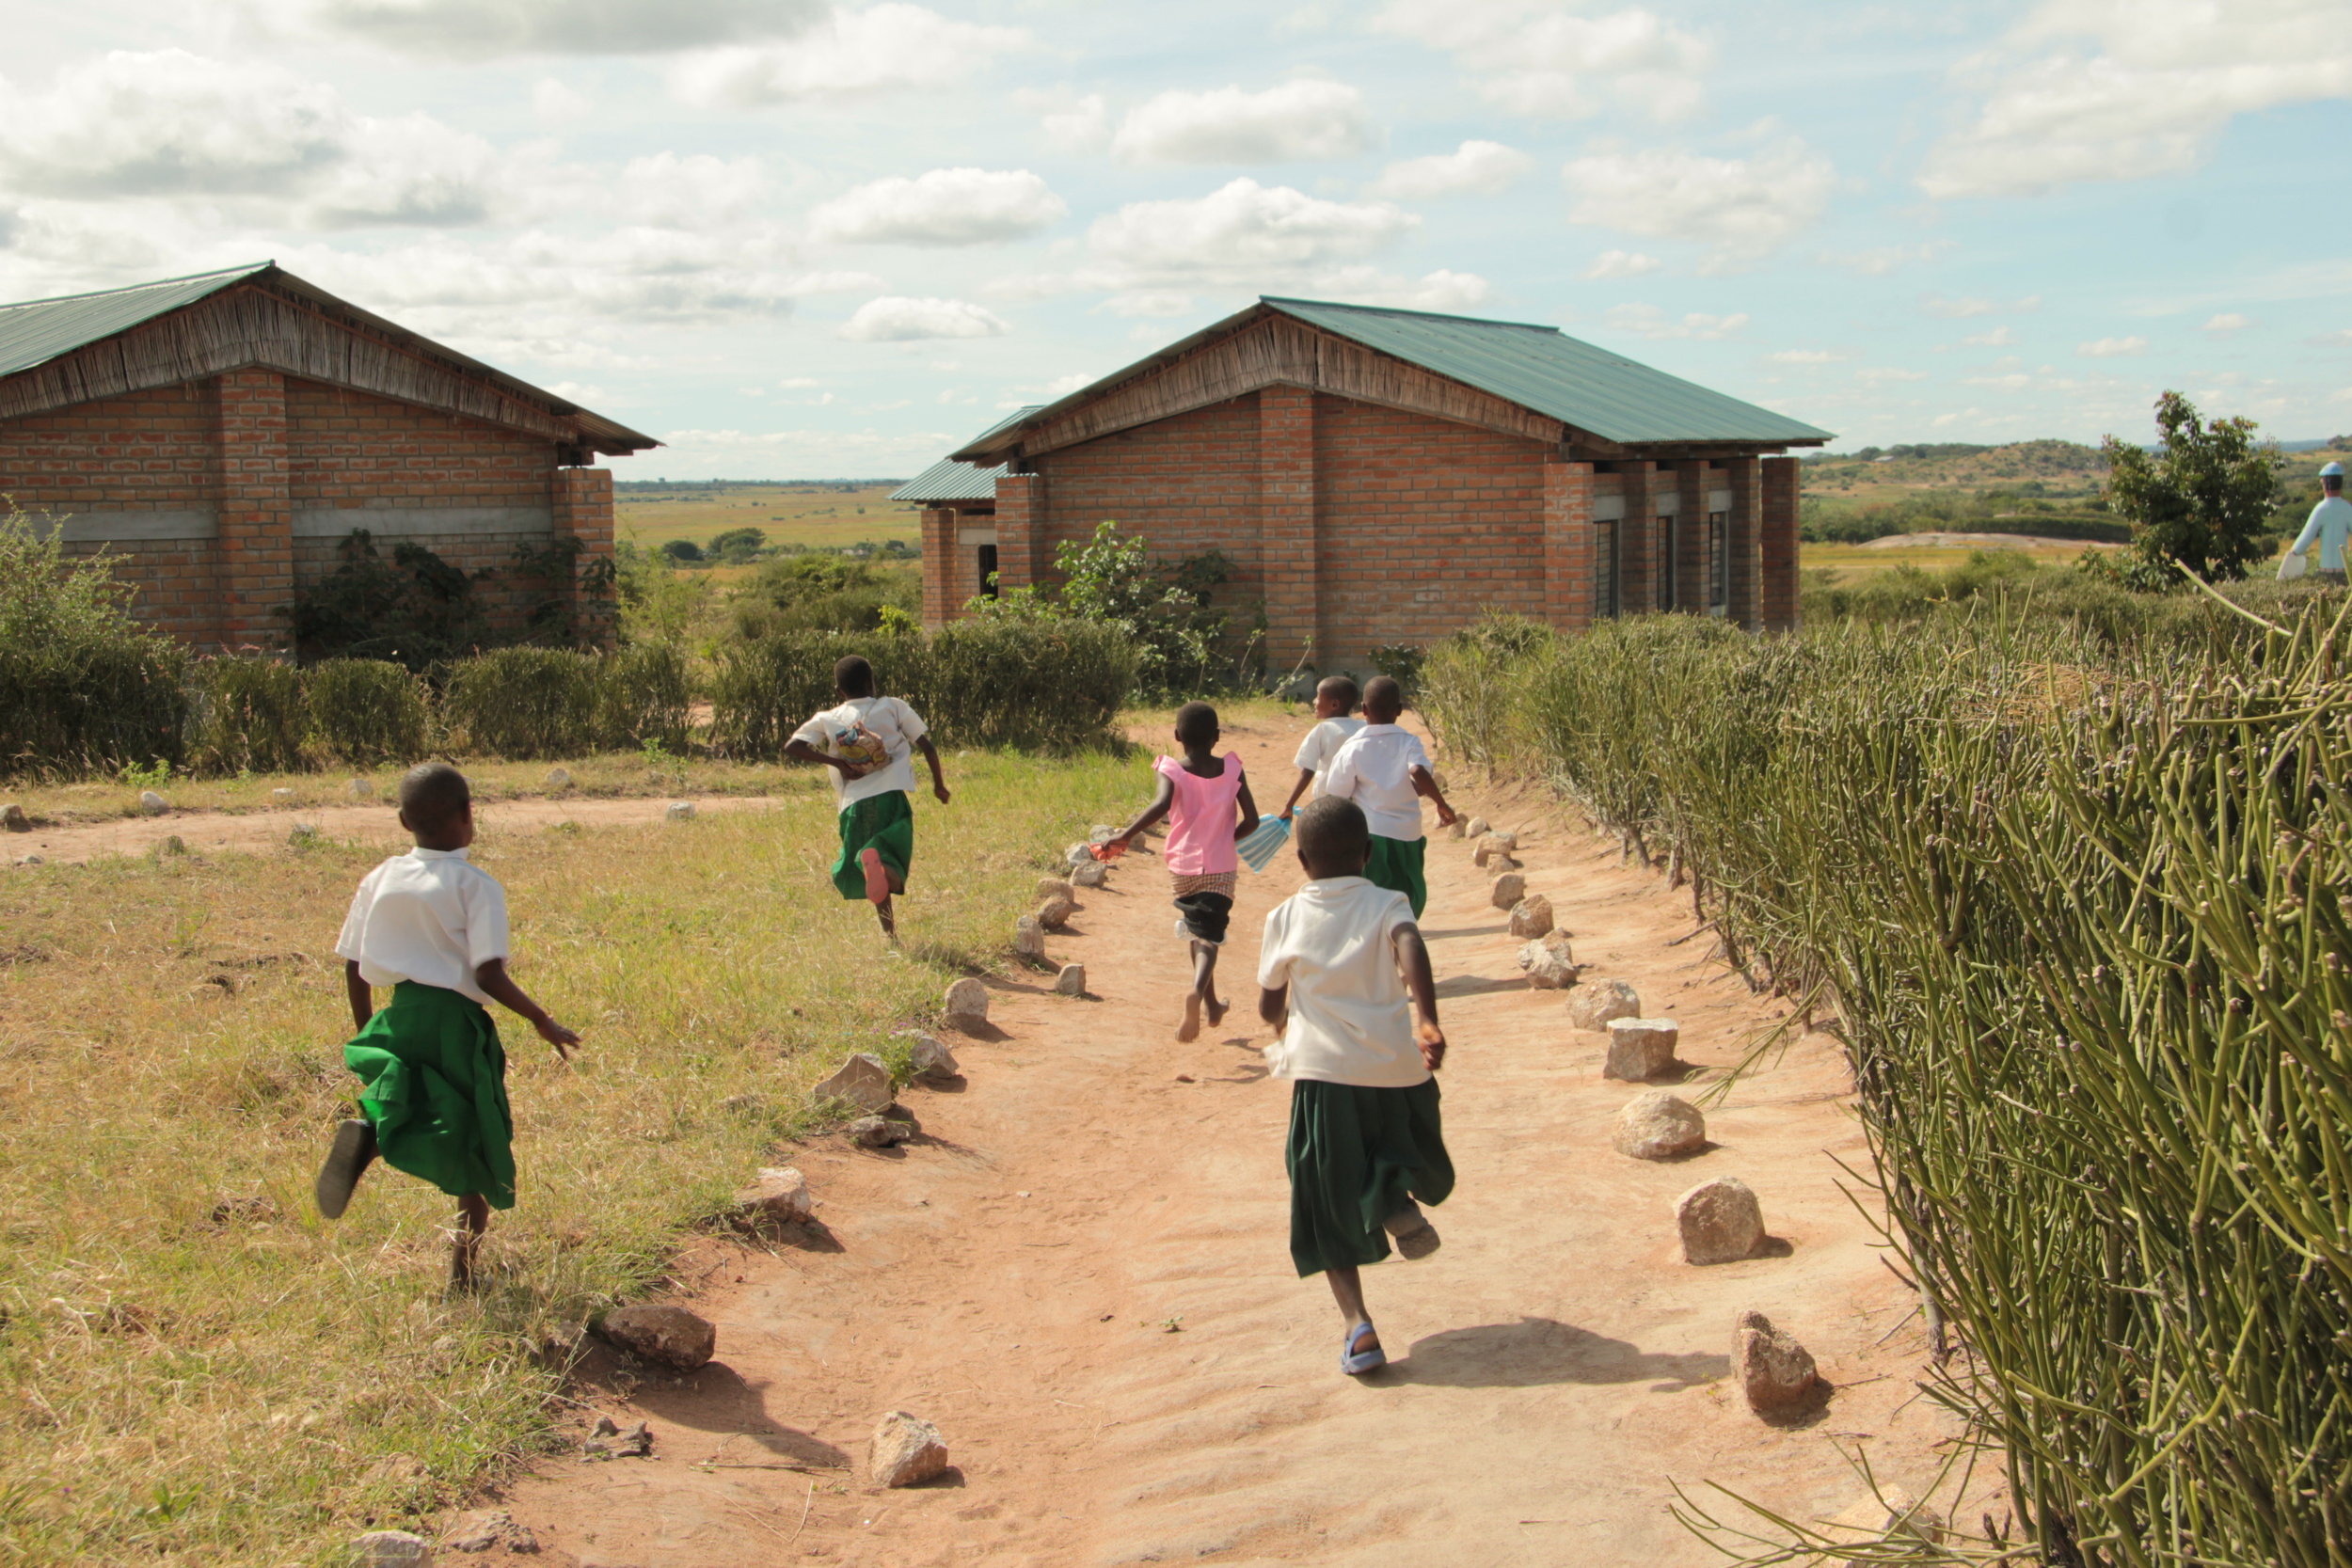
<point>931,1061</point>
<point>778,1193</point>
<point>487,1529</point>
<point>678,811</point>
<point>670,1336</point>
<point>1054,887</point>
<point>967,1005</point>
<point>1640,1048</point>
<point>1659,1126</point>
<point>864,1081</point>
<point>1892,1517</point>
<point>1093,874</point>
<point>559,778</point>
<point>1596,1004</point>
<point>1072,981</point>
<point>1028,937</point>
<point>1476,827</point>
<point>364,789</point>
<point>1054,910</point>
<point>391,1548</point>
<point>907,1451</point>
<point>1508,889</point>
<point>12,819</point>
<point>1721,1222</point>
<point>1550,963</point>
<point>1776,1375</point>
<point>153,803</point>
<point>881,1131</point>
<point>1077,854</point>
<point>1531,917</point>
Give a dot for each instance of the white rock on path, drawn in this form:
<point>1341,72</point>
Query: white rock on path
<point>1775,1374</point>
<point>487,1529</point>
<point>1595,1004</point>
<point>1093,874</point>
<point>931,1062</point>
<point>1077,855</point>
<point>559,778</point>
<point>1531,916</point>
<point>907,1450</point>
<point>1072,981</point>
<point>863,1081</point>
<point>1550,963</point>
<point>1028,937</point>
<point>778,1193</point>
<point>391,1548</point>
<point>881,1132</point>
<point>12,819</point>
<point>671,1335</point>
<point>678,811</point>
<point>1475,826</point>
<point>1721,1222</point>
<point>967,1002</point>
<point>1054,910</point>
<point>1658,1126</point>
<point>281,794</point>
<point>1640,1049</point>
<point>153,803</point>
<point>1054,887</point>
<point>1456,829</point>
<point>363,789</point>
<point>1509,889</point>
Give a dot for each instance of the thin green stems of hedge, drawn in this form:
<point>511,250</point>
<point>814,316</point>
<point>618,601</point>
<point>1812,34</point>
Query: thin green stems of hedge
<point>2075,906</point>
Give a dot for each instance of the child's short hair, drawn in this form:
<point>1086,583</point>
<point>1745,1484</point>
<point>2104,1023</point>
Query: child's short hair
<point>1384,696</point>
<point>1342,690</point>
<point>854,676</point>
<point>432,796</point>
<point>1195,721</point>
<point>1333,835</point>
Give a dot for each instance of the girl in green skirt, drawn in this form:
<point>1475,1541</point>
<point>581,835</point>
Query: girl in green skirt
<point>869,742</point>
<point>1366,1148</point>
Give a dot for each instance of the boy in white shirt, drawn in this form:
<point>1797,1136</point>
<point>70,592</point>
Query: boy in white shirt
<point>1339,960</point>
<point>432,926</point>
<point>869,742</point>
<point>1335,700</point>
<point>1384,770</point>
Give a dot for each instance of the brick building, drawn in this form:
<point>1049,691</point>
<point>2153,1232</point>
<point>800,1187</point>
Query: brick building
<point>223,435</point>
<point>1383,476</point>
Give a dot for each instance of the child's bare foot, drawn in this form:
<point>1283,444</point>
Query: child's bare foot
<point>1217,1010</point>
<point>1190,1029</point>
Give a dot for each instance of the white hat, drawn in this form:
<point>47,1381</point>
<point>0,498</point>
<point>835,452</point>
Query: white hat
<point>2334,471</point>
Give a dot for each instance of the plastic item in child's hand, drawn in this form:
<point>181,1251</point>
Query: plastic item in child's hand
<point>858,744</point>
<point>1109,851</point>
<point>1259,850</point>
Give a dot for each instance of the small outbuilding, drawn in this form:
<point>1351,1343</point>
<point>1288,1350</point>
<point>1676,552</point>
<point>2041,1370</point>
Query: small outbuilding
<point>223,435</point>
<point>1383,476</point>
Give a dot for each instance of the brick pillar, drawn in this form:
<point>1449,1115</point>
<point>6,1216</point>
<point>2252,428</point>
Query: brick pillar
<point>1288,547</point>
<point>1692,569</point>
<point>1637,541</point>
<point>1567,544</point>
<point>581,500</point>
<point>256,545</point>
<point>941,602</point>
<point>1779,549</point>
<point>1024,558</point>
<point>1747,536</point>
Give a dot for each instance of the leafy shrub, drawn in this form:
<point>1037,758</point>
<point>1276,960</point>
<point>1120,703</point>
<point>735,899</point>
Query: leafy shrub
<point>522,703</point>
<point>765,689</point>
<point>683,551</point>
<point>82,684</point>
<point>644,694</point>
<point>1401,662</point>
<point>416,610</point>
<point>366,711</point>
<point>1178,635</point>
<point>245,715</point>
<point>2204,499</point>
<point>823,593</point>
<point>737,546</point>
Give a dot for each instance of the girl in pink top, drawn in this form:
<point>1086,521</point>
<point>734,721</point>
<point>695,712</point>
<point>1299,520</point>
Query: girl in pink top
<point>1200,796</point>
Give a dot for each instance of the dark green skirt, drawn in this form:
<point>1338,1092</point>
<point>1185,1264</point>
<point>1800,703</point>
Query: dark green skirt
<point>884,822</point>
<point>1397,864</point>
<point>1355,1155</point>
<point>434,1077</point>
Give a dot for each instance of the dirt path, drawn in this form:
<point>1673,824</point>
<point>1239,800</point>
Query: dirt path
<point>1080,1274</point>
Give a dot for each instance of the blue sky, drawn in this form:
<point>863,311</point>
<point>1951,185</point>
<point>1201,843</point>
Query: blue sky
<point>802,239</point>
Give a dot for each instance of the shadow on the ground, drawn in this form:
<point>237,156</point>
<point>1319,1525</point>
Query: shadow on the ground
<point>1466,931</point>
<point>716,1398</point>
<point>1458,986</point>
<point>1534,1352</point>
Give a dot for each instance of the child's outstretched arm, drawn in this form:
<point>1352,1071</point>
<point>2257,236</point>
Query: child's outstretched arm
<point>1273,1004</point>
<point>1412,957</point>
<point>1248,823</point>
<point>1152,813</point>
<point>1426,785</point>
<point>362,997</point>
<point>1306,777</point>
<point>931,755</point>
<point>800,750</point>
<point>499,987</point>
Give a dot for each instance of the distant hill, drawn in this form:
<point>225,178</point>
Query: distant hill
<point>2032,468</point>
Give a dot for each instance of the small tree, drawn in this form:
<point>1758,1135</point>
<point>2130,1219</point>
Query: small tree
<point>2202,502</point>
<point>1178,636</point>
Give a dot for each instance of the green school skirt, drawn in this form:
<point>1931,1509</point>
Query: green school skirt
<point>1397,864</point>
<point>1356,1154</point>
<point>883,823</point>
<point>434,1079</point>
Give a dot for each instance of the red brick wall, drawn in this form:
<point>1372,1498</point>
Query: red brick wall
<point>349,449</point>
<point>1189,484</point>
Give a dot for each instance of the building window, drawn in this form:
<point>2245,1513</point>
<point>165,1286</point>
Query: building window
<point>1719,563</point>
<point>1662,564</point>
<point>988,571</point>
<point>1604,570</point>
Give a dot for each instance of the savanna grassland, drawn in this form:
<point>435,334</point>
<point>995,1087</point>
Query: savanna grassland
<point>820,514</point>
<point>198,1368</point>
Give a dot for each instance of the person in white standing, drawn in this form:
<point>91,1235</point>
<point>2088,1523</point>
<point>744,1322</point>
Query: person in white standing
<point>2329,522</point>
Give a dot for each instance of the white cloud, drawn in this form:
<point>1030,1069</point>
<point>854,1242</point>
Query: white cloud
<point>1649,320</point>
<point>1882,260</point>
<point>1740,208</point>
<point>1300,120</point>
<point>1441,290</point>
<point>1062,386</point>
<point>2228,321</point>
<point>1242,232</point>
<point>1804,356</point>
<point>472,29</point>
<point>1476,167</point>
<point>1878,377</point>
<point>1084,126</point>
<point>2015,382</point>
<point>1967,306</point>
<point>695,192</point>
<point>881,48</point>
<point>1149,302</point>
<point>2000,337</point>
<point>556,104</point>
<point>2334,339</point>
<point>2111,348</point>
<point>1620,263</point>
<point>893,319</point>
<point>1535,58</point>
<point>2126,89</point>
<point>945,207</point>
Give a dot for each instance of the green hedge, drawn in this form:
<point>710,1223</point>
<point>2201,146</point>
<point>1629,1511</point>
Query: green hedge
<point>82,686</point>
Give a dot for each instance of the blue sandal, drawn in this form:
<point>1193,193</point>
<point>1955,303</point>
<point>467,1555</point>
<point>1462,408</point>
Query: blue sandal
<point>1356,1363</point>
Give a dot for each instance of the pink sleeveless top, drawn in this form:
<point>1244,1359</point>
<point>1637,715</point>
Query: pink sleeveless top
<point>1200,819</point>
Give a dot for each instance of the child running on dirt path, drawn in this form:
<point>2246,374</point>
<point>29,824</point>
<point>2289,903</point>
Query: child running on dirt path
<point>869,742</point>
<point>1198,796</point>
<point>1384,769</point>
<point>1339,958</point>
<point>1335,700</point>
<point>432,926</point>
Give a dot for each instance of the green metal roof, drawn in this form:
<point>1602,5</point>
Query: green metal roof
<point>1542,369</point>
<point>39,330</point>
<point>949,480</point>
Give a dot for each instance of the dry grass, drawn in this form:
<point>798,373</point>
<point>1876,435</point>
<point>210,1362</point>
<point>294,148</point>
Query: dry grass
<point>1854,562</point>
<point>789,514</point>
<point>200,1369</point>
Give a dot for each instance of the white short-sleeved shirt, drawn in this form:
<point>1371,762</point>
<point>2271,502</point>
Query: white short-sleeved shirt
<point>897,725</point>
<point>2328,523</point>
<point>1374,768</point>
<point>430,915</point>
<point>1350,1019</point>
<point>1322,744</point>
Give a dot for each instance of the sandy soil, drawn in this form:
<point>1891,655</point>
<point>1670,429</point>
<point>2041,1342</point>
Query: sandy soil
<point>1079,1273</point>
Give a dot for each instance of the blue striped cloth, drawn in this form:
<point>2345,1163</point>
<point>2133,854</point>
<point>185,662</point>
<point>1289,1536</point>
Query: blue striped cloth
<point>1260,847</point>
